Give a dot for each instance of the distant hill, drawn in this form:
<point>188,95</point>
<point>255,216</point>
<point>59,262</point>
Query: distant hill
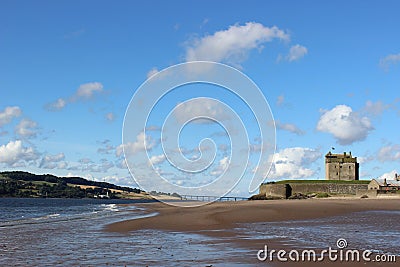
<point>25,184</point>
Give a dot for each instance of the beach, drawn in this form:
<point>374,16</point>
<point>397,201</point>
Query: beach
<point>62,232</point>
<point>224,215</point>
<point>240,224</point>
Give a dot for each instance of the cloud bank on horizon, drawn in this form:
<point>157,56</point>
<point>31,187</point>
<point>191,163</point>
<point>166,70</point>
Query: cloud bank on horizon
<point>67,85</point>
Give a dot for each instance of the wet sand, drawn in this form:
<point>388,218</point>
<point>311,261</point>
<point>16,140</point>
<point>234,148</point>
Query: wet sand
<point>220,219</point>
<point>225,215</point>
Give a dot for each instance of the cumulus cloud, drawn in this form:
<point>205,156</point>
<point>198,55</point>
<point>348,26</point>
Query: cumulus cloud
<point>26,128</point>
<point>389,175</point>
<point>288,127</point>
<point>234,44</point>
<point>222,166</point>
<point>15,154</point>
<point>296,52</point>
<point>142,142</point>
<point>87,90</point>
<point>84,92</point>
<point>389,60</point>
<point>157,159</point>
<point>203,107</point>
<point>53,161</point>
<point>57,105</point>
<point>293,163</point>
<point>344,124</point>
<point>389,153</point>
<point>8,114</point>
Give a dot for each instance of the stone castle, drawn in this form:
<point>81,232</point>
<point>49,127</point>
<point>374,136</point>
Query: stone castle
<point>341,178</point>
<point>341,167</point>
<point>338,167</point>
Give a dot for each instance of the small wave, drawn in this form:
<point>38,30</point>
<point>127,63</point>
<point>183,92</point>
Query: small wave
<point>110,207</point>
<point>54,215</point>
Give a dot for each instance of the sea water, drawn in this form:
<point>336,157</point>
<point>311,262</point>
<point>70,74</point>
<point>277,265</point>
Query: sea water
<point>70,232</point>
<point>377,231</point>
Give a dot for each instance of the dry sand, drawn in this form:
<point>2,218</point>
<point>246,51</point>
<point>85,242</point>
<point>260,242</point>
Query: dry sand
<point>226,215</point>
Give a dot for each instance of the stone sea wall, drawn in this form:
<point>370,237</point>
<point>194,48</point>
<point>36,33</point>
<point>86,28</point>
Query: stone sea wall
<point>286,190</point>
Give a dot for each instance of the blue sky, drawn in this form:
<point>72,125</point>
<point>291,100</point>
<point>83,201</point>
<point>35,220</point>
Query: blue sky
<point>329,70</point>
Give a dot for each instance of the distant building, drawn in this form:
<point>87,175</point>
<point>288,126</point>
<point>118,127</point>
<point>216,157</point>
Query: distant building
<point>341,167</point>
<point>385,185</point>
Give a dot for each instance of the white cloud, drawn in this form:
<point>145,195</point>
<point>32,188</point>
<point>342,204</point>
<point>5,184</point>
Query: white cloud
<point>85,161</point>
<point>84,91</point>
<point>110,116</point>
<point>223,165</point>
<point>152,72</point>
<point>57,105</point>
<point>288,127</point>
<point>233,45</point>
<point>8,114</point>
<point>157,159</point>
<point>389,153</point>
<point>296,52</point>
<point>87,90</point>
<point>201,107</point>
<point>15,153</point>
<point>53,161</point>
<point>26,128</point>
<point>54,158</point>
<point>344,124</point>
<point>293,163</point>
<point>389,60</point>
<point>142,142</point>
<point>388,175</point>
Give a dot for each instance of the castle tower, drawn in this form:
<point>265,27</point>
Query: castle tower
<point>341,167</point>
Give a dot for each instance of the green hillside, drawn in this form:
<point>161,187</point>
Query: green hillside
<point>25,184</point>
